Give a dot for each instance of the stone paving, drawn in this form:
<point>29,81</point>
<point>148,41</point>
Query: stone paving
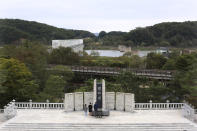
<point>56,119</point>
<point>60,116</point>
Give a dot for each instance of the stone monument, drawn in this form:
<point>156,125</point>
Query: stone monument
<point>105,100</point>
<point>99,97</point>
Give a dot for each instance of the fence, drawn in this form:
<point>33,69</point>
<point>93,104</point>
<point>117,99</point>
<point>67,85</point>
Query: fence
<point>39,105</point>
<point>158,106</point>
<point>138,106</point>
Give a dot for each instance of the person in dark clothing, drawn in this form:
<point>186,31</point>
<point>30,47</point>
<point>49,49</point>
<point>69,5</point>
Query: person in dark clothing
<point>90,109</point>
<point>95,107</point>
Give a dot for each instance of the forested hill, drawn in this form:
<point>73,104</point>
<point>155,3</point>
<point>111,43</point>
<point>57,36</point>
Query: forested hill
<point>12,30</point>
<point>179,34</point>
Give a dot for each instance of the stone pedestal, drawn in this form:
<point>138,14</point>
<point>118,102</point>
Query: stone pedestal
<point>69,102</point>
<point>100,97</point>
<point>129,102</point>
<point>78,101</point>
<point>120,101</point>
<point>94,92</point>
<point>103,96</point>
<point>110,100</point>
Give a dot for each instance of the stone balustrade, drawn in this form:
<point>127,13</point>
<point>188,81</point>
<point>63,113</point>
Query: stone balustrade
<point>10,110</point>
<point>39,105</point>
<point>158,106</point>
<point>138,106</point>
<point>189,112</point>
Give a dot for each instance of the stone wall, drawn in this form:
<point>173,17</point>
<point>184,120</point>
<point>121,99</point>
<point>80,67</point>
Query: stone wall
<point>69,102</point>
<point>110,100</point>
<point>129,102</point>
<point>79,101</point>
<point>118,101</point>
<point>88,98</point>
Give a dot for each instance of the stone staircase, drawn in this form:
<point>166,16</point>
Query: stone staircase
<point>98,127</point>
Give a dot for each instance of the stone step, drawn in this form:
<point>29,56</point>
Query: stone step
<point>98,127</point>
<point>84,126</point>
<point>113,124</point>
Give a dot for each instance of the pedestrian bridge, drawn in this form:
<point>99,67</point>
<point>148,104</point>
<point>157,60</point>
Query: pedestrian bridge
<point>109,71</point>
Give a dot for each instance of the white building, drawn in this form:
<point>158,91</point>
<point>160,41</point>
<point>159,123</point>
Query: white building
<point>76,44</point>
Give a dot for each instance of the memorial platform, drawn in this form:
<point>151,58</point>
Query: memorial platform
<point>140,120</point>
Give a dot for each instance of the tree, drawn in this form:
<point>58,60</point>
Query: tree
<point>3,75</point>
<point>164,43</point>
<point>18,83</point>
<point>33,54</point>
<point>55,88</point>
<point>130,84</point>
<point>102,34</point>
<point>183,63</point>
<point>155,61</point>
<point>169,65</point>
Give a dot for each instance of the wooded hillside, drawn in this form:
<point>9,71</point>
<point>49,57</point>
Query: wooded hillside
<point>178,34</point>
<point>12,30</point>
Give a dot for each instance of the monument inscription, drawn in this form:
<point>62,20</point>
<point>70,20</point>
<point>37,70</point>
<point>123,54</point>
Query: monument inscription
<point>99,95</point>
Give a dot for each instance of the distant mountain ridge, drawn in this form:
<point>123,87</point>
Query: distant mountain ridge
<point>14,29</point>
<point>177,34</point>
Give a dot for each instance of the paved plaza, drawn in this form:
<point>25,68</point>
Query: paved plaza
<point>60,116</point>
<point>145,119</point>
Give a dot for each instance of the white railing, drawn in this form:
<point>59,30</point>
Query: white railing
<point>189,112</point>
<point>158,106</point>
<point>39,105</point>
<point>10,110</point>
<point>138,106</point>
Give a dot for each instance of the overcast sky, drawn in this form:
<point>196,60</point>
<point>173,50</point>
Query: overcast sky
<point>98,15</point>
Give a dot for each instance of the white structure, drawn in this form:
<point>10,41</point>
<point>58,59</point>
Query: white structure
<point>120,101</point>
<point>110,100</point>
<point>103,94</point>
<point>78,101</point>
<point>69,102</point>
<point>76,44</point>
<point>58,120</point>
<point>52,116</point>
